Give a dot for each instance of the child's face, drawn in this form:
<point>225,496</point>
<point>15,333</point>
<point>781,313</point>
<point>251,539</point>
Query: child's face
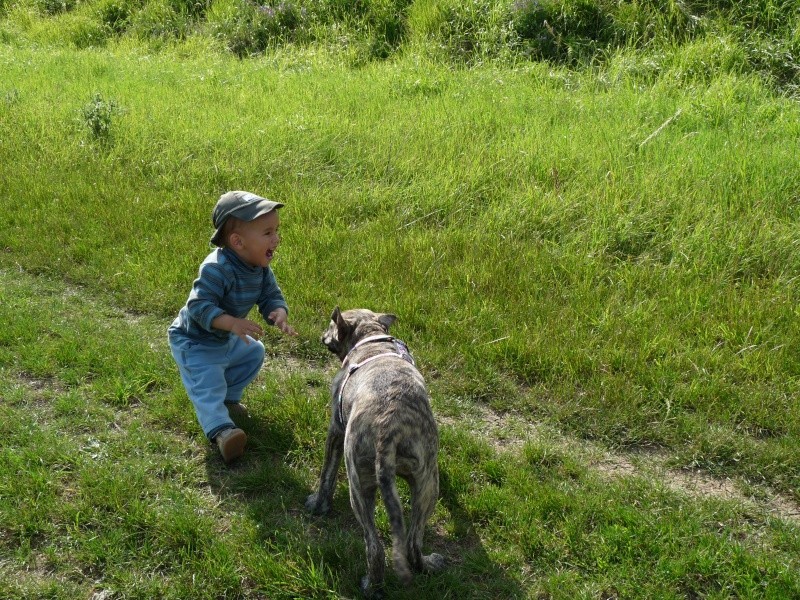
<point>255,241</point>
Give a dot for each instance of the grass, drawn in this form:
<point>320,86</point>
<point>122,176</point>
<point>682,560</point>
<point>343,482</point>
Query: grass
<point>103,492</point>
<point>606,254</point>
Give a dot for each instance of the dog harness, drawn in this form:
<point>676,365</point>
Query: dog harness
<point>401,351</point>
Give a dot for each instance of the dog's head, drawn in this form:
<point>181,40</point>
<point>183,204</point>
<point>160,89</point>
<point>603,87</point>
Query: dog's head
<point>348,327</point>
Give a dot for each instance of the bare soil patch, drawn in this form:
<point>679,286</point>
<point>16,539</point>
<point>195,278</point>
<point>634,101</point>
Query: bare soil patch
<point>508,432</point>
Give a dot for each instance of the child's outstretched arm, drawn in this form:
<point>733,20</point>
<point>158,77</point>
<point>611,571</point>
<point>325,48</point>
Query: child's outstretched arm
<point>279,318</point>
<point>241,327</point>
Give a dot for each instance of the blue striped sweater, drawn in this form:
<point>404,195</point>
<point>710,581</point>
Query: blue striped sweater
<point>225,285</point>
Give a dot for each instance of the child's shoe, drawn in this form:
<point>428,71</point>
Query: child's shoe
<point>237,410</point>
<point>231,443</point>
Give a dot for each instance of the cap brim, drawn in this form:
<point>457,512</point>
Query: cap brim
<point>216,239</point>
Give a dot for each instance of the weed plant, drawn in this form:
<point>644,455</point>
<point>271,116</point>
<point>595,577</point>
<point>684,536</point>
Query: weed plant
<point>97,116</point>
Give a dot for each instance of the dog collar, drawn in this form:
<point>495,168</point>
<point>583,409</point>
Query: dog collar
<point>401,351</point>
<point>366,340</point>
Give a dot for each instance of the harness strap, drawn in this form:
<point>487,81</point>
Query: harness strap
<point>402,353</point>
<point>366,340</point>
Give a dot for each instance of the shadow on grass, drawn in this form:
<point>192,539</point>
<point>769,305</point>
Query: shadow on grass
<point>471,572</point>
<point>330,549</point>
<point>271,491</point>
<point>262,477</point>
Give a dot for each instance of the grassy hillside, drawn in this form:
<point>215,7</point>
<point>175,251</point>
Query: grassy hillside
<point>763,35</point>
<point>583,213</point>
<point>644,276</point>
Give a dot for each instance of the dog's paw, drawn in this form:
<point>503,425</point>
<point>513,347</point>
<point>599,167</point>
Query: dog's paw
<point>370,592</point>
<point>433,563</point>
<point>317,505</point>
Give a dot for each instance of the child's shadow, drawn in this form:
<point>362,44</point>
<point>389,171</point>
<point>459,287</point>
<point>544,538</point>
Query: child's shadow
<point>272,494</point>
<point>262,473</point>
<point>269,488</point>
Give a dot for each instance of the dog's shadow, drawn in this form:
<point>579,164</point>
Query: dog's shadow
<point>470,568</point>
<point>325,556</point>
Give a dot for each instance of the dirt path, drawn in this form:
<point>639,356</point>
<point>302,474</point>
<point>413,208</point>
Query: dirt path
<point>507,432</point>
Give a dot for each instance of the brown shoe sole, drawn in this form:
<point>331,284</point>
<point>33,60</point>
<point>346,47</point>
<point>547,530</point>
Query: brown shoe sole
<point>231,444</point>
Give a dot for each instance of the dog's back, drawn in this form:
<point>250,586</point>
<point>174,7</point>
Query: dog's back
<point>391,432</point>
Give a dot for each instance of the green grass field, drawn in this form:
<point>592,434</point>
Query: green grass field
<point>591,246</point>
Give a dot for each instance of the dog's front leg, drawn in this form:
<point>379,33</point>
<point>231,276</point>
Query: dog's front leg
<point>320,503</point>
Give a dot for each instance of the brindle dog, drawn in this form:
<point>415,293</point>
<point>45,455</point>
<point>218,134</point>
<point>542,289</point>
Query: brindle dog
<point>383,425</point>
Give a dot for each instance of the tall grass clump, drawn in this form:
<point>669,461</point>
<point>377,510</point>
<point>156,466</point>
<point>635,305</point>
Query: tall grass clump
<point>382,25</point>
<point>248,28</point>
<point>468,32</point>
<point>54,7</point>
<point>372,30</point>
<point>116,15</point>
<point>163,21</point>
<point>567,32</point>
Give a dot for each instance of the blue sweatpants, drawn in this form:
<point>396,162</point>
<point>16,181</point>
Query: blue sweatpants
<point>215,375</point>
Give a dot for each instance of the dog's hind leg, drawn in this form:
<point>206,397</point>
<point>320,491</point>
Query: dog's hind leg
<point>386,470</point>
<point>362,499</point>
<point>424,495</point>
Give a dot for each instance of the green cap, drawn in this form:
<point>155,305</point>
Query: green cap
<point>242,205</point>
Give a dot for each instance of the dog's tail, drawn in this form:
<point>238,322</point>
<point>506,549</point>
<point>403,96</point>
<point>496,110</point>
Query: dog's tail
<point>386,471</point>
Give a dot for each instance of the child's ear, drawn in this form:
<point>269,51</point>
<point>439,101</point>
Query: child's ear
<point>235,240</point>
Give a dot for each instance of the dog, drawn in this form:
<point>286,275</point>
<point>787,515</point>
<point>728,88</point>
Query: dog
<point>382,423</point>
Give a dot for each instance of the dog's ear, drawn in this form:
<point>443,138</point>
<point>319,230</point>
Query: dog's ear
<point>341,324</point>
<point>387,320</point>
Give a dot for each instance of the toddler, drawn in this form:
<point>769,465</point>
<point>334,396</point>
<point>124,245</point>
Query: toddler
<point>213,342</point>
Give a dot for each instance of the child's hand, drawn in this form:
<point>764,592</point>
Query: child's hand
<point>278,317</point>
<point>245,328</point>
